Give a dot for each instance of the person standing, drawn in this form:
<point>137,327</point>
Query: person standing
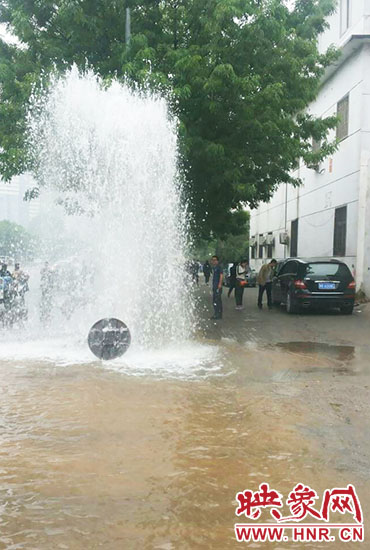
<point>241,273</point>
<point>264,281</point>
<point>232,283</point>
<point>7,286</point>
<point>207,271</point>
<point>217,287</point>
<point>195,272</point>
<point>20,279</point>
<point>47,281</point>
<point>4,272</point>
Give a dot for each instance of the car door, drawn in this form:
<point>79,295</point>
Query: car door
<point>286,276</point>
<point>276,291</point>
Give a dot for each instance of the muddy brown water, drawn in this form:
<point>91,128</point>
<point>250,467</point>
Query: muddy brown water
<point>91,458</point>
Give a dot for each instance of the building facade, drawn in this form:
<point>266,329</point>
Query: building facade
<point>13,207</point>
<point>329,215</point>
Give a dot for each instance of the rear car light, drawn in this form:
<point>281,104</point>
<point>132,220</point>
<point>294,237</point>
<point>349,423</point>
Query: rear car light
<point>352,284</point>
<point>299,284</point>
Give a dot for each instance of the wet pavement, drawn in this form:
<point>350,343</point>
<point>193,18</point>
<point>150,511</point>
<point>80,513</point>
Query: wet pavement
<point>95,458</point>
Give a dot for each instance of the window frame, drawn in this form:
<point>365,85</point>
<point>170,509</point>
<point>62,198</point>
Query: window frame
<point>270,247</point>
<point>345,121</point>
<point>294,253</point>
<point>345,12</point>
<point>340,235</point>
<point>260,247</point>
<point>287,265</point>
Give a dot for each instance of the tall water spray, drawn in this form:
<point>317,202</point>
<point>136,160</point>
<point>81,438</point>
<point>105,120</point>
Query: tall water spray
<point>106,161</point>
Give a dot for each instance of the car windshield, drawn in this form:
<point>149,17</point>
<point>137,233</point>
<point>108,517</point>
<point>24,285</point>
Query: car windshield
<point>327,270</point>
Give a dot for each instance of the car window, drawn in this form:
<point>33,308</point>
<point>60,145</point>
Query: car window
<point>278,268</point>
<point>328,270</point>
<point>289,267</point>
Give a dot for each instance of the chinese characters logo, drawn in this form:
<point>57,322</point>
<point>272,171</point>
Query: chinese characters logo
<point>303,504</point>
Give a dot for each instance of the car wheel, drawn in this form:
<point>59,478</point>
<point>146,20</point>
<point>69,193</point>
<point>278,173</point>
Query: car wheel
<point>290,304</point>
<point>347,310</point>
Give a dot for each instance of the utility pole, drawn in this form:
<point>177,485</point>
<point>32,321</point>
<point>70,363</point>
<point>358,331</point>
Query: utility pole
<point>128,27</point>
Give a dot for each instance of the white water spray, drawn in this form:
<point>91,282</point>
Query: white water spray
<point>107,167</point>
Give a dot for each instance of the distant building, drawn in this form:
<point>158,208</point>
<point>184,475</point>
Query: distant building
<point>329,216</point>
<point>12,205</point>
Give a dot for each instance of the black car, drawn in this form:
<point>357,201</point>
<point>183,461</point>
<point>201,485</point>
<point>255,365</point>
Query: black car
<point>304,283</point>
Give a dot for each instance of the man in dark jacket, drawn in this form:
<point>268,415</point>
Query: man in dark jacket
<point>232,279</point>
<point>4,272</point>
<point>217,287</point>
<point>207,271</point>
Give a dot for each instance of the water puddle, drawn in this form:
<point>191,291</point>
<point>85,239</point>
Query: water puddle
<point>337,352</point>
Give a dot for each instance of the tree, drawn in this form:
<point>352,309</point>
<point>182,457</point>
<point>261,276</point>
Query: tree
<point>239,75</point>
<point>15,241</point>
<point>231,248</point>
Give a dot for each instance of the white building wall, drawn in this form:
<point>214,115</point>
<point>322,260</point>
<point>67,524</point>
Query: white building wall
<point>363,224</point>
<point>359,24</point>
<point>12,206</point>
<point>344,179</point>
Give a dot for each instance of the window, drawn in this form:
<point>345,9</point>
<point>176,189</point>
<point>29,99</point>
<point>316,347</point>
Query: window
<point>290,268</point>
<point>294,238</point>
<point>342,113</point>
<point>253,252</point>
<point>345,15</point>
<point>340,231</point>
<point>328,270</point>
<point>316,146</point>
<point>279,268</point>
<point>260,246</point>
<point>269,247</point>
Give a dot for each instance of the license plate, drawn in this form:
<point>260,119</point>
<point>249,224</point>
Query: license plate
<point>326,286</point>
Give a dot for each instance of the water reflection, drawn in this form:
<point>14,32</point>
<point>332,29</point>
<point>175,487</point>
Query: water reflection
<point>92,458</point>
<point>340,353</point>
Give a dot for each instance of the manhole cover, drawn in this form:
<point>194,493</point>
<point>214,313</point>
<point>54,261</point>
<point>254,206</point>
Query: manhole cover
<point>109,338</point>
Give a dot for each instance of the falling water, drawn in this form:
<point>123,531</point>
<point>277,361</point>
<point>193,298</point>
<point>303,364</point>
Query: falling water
<point>106,161</point>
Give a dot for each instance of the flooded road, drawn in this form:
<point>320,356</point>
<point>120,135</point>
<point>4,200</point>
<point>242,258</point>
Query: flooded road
<point>94,457</point>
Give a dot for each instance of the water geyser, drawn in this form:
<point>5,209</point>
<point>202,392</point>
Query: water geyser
<point>105,158</point>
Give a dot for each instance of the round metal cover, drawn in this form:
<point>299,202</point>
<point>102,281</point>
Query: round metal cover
<point>109,338</point>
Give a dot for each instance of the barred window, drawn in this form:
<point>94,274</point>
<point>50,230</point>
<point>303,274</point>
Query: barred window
<point>342,113</point>
<point>294,238</point>
<point>340,231</point>
<point>270,248</point>
<point>260,246</point>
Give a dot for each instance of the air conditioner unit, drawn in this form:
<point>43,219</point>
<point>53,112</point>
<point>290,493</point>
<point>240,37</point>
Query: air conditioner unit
<point>262,240</point>
<point>284,237</point>
<point>270,240</point>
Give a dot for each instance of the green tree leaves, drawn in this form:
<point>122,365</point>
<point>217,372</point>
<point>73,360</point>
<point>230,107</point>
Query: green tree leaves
<point>15,242</point>
<point>239,75</point>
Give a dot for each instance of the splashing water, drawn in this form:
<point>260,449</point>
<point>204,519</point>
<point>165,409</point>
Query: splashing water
<point>106,161</point>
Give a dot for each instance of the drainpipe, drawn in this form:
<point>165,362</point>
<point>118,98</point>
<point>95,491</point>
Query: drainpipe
<point>362,267</point>
<point>286,216</point>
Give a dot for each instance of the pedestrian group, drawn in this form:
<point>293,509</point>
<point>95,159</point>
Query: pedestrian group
<point>238,280</point>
